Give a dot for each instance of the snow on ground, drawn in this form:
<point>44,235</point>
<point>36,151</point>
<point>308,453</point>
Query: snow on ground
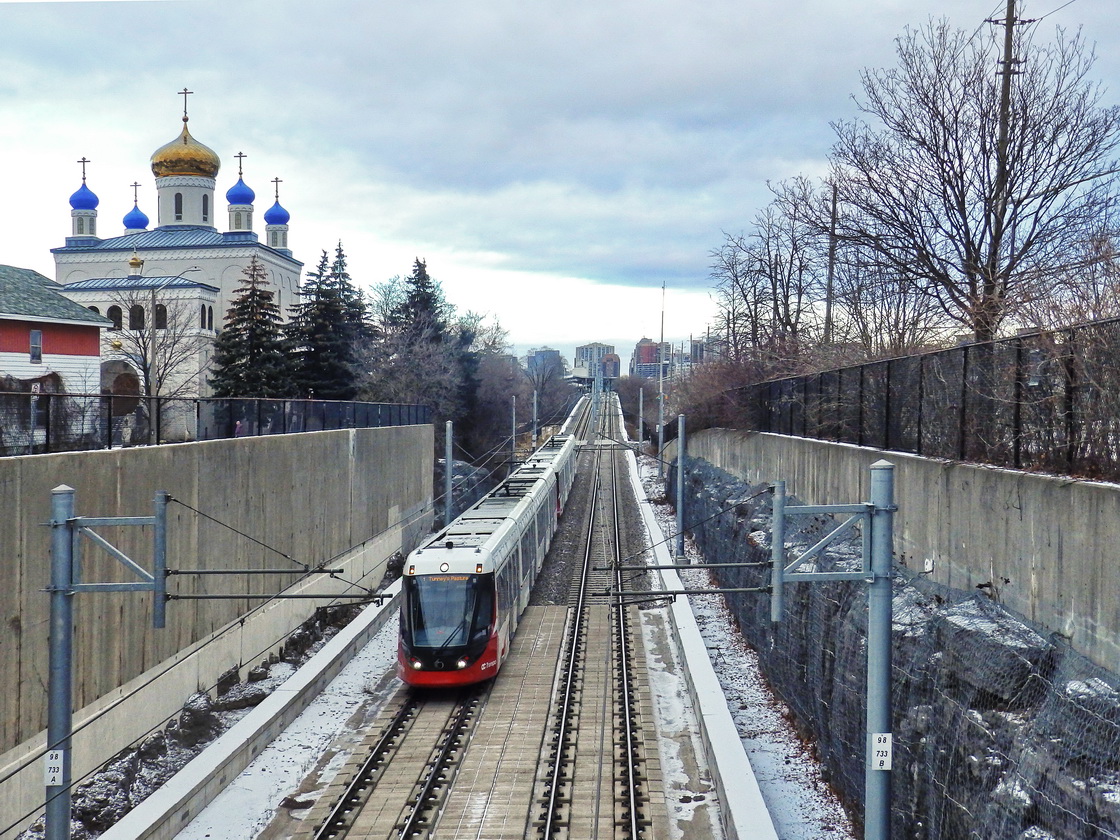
<point>248,804</point>
<point>801,804</point>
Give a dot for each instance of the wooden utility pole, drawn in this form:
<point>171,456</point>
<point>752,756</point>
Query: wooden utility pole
<point>993,268</point>
<point>831,271</point>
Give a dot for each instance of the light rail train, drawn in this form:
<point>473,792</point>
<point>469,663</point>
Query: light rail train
<point>464,589</point>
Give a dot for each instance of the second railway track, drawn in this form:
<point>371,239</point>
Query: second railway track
<point>518,760</point>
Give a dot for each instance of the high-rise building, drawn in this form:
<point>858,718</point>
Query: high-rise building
<point>647,358</point>
<point>590,355</point>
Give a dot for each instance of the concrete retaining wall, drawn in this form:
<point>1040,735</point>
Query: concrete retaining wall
<point>352,497</point>
<point>1044,547</point>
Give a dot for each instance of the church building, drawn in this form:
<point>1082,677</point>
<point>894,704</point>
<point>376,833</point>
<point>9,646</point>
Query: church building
<point>145,275</point>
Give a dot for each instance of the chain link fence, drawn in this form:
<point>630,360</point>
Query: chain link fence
<point>1047,401</point>
<point>1001,730</point>
<point>39,422</point>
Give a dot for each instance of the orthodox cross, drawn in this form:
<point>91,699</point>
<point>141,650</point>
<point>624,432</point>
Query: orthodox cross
<point>83,162</point>
<point>185,93</point>
<point>240,156</point>
<point>277,182</point>
<point>135,194</point>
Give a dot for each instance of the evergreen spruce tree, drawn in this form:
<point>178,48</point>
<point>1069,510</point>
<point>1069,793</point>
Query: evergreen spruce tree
<point>327,330</point>
<point>422,314</point>
<point>250,355</point>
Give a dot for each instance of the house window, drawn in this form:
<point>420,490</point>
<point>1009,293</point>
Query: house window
<point>205,208</point>
<point>136,317</point>
<point>178,207</point>
<point>95,310</point>
<point>114,315</point>
<point>36,347</point>
<point>161,316</point>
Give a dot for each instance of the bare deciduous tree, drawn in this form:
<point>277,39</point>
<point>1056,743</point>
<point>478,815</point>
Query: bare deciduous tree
<point>982,226</point>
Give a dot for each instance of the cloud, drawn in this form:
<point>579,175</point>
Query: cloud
<point>608,143</point>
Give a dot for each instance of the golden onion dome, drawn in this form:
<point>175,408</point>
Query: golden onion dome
<point>185,156</point>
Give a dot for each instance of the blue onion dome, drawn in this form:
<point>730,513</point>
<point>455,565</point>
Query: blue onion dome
<point>240,193</point>
<point>135,219</point>
<point>276,215</point>
<point>84,199</point>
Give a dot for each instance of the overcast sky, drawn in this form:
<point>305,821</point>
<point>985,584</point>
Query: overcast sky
<point>554,163</point>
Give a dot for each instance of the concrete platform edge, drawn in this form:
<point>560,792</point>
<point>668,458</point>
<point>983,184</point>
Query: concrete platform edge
<point>162,815</point>
<point>742,809</point>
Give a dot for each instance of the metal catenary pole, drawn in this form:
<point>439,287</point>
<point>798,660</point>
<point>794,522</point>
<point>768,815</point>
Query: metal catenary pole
<point>512,434</point>
<point>641,416</point>
<point>448,502</point>
<point>877,811</point>
<point>59,711</point>
<point>67,529</point>
<point>877,520</point>
<point>681,451</point>
<point>534,419</point>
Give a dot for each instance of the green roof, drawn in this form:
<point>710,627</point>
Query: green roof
<point>25,293</point>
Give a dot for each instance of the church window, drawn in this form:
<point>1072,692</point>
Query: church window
<point>237,220</point>
<point>79,226</point>
<point>202,316</point>
<point>178,207</point>
<point>94,310</point>
<point>210,318</point>
<point>93,227</point>
<point>161,316</point>
<point>205,208</point>
<point>36,347</point>
<point>115,316</point>
<point>136,317</point>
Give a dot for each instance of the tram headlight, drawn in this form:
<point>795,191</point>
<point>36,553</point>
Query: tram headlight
<point>416,664</point>
<point>462,663</point>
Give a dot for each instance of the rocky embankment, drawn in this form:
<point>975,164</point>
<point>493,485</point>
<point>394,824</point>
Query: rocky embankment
<point>1001,731</point>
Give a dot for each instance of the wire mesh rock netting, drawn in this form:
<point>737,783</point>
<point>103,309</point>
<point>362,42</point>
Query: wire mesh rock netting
<point>1001,732</point>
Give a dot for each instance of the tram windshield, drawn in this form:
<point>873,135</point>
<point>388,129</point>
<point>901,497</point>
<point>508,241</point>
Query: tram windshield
<point>442,611</point>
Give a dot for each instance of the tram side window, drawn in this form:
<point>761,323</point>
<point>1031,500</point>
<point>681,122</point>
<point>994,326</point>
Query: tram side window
<point>503,587</point>
<point>527,553</point>
<point>542,522</point>
<point>483,611</point>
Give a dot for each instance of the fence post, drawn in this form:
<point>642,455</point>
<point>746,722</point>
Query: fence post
<point>921,400</point>
<point>887,408</point>
<point>1017,410</point>
<point>1070,395</point>
<point>961,413</point>
<point>50,416</point>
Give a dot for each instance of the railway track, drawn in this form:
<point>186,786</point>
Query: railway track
<point>507,759</point>
<point>400,782</point>
<point>592,780</point>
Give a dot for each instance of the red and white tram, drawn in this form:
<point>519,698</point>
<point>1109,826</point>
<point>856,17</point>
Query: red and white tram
<point>465,588</point>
